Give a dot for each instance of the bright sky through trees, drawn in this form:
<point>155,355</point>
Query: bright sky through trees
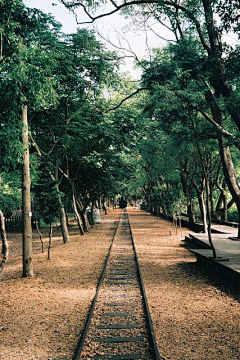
<point>120,31</point>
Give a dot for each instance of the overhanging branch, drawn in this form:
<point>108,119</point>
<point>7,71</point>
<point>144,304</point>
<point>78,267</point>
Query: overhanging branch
<point>71,5</point>
<point>219,128</point>
<point>126,98</point>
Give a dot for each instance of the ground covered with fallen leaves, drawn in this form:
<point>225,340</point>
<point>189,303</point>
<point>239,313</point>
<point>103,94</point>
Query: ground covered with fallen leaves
<point>196,314</point>
<point>44,317</point>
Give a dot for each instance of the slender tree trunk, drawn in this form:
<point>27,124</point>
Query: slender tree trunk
<point>225,209</point>
<point>64,227</point>
<point>104,205</point>
<point>50,240</point>
<point>203,211</point>
<point>209,219</point>
<point>82,211</point>
<point>186,191</point>
<point>202,205</point>
<point>222,205</point>
<point>218,210</point>
<point>5,248</point>
<point>77,214</point>
<point>67,219</point>
<point>84,221</point>
<point>63,217</point>
<point>40,234</point>
<point>211,188</point>
<point>26,201</point>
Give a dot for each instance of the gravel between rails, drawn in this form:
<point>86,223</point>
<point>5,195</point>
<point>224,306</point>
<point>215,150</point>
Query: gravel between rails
<point>119,304</point>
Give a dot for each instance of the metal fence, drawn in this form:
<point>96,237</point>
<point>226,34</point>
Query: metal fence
<point>13,223</point>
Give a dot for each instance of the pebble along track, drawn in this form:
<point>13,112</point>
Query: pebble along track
<point>119,325</point>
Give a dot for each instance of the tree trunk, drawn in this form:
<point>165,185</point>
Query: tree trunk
<point>5,248</point>
<point>63,217</point>
<point>221,87</point>
<point>225,154</point>
<point>211,189</point>
<point>219,79</point>
<point>39,233</point>
<point>202,205</point>
<point>186,191</point>
<point>209,219</point>
<point>222,205</point>
<point>77,214</point>
<point>203,211</point>
<point>104,205</point>
<point>84,221</point>
<point>230,175</point>
<point>26,201</point>
<point>225,209</point>
<point>205,174</point>
<point>50,241</point>
<point>64,227</point>
<point>98,204</point>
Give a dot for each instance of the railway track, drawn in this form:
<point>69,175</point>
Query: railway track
<point>119,325</point>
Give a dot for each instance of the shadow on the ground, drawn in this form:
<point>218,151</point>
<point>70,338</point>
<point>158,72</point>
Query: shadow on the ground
<point>177,270</point>
<point>224,280</point>
<point>210,275</point>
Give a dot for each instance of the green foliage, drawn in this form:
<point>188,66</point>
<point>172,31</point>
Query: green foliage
<point>233,215</point>
<point>70,81</point>
<point>47,199</point>
<point>10,192</point>
<point>228,11</point>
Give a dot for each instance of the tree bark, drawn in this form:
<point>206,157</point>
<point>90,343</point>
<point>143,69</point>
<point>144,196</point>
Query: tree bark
<point>186,191</point>
<point>39,233</point>
<point>84,221</point>
<point>211,189</point>
<point>77,213</point>
<point>5,248</point>
<point>50,241</point>
<point>63,217</point>
<point>64,227</point>
<point>26,201</point>
<point>202,205</point>
<point>104,205</point>
<point>82,211</point>
<point>222,205</point>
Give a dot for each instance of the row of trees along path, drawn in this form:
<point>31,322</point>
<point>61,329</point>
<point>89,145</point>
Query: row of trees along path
<point>69,128</point>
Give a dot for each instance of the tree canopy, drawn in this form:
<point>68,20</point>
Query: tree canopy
<point>170,141</point>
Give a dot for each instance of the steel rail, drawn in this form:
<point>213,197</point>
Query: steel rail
<point>83,337</point>
<point>151,333</point>
<point>150,324</point>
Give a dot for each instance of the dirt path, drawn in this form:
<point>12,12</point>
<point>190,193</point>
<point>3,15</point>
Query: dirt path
<point>43,318</point>
<point>196,315</point>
